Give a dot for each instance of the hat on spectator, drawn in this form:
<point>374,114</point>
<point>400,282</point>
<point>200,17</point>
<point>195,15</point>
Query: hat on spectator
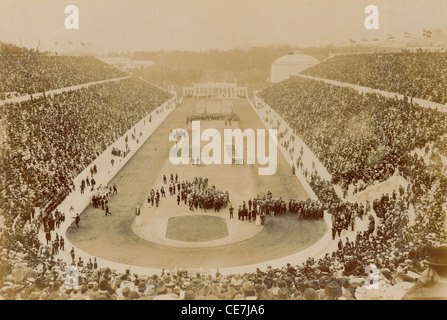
<point>281,283</point>
<point>283,294</point>
<point>333,290</point>
<point>125,292</point>
<point>310,294</point>
<point>141,287</point>
<point>162,290</point>
<point>437,256</point>
<point>133,295</point>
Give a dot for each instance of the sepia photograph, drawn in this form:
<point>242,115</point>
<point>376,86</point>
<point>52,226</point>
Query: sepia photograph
<point>213,152</point>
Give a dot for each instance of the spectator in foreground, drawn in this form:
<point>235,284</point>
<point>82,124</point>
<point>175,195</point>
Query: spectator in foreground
<point>433,283</point>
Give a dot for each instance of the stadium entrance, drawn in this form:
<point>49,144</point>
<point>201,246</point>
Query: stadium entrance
<point>215,90</point>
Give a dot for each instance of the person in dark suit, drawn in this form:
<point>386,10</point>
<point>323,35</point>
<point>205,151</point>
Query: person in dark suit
<point>48,236</point>
<point>245,214</point>
<point>231,211</point>
<point>61,244</point>
<point>77,220</point>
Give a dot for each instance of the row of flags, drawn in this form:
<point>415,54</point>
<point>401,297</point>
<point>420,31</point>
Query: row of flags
<point>425,33</point>
<point>71,43</point>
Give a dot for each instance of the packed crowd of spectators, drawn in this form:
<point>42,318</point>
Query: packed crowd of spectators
<point>343,122</point>
<point>376,136</point>
<point>359,138</point>
<point>421,74</point>
<point>227,117</point>
<point>441,146</point>
<point>338,276</point>
<point>50,140</point>
<point>24,71</point>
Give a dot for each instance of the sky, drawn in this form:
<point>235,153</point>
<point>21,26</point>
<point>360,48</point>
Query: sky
<point>153,25</point>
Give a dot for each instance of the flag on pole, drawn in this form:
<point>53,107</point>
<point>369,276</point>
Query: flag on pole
<point>390,36</point>
<point>352,41</point>
<point>407,34</point>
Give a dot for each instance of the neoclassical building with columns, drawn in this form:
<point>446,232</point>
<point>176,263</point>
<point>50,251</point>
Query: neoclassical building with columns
<point>215,90</point>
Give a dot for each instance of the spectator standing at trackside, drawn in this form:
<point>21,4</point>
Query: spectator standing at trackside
<point>61,244</point>
<point>77,219</point>
<point>107,210</point>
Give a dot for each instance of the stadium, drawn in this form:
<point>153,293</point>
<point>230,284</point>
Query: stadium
<point>106,195</point>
